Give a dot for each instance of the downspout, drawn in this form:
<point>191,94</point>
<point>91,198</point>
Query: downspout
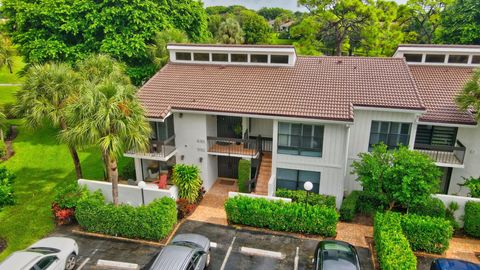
<point>346,150</point>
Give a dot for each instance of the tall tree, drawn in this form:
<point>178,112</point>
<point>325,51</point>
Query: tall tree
<point>230,32</point>
<point>307,35</point>
<point>6,53</point>
<point>274,12</point>
<point>469,98</point>
<point>460,23</point>
<point>107,114</point>
<point>157,51</point>
<point>340,18</point>
<point>46,93</point>
<point>255,27</point>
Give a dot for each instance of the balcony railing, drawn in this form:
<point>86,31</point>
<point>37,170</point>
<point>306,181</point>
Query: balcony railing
<point>233,146</point>
<point>158,149</point>
<point>444,154</point>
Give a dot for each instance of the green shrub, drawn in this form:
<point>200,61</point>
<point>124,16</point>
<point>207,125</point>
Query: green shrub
<point>243,175</point>
<point>282,216</point>
<point>393,249</point>
<point>450,214</point>
<point>349,206</point>
<point>424,233</point>
<point>432,207</point>
<point>68,196</point>
<point>187,179</point>
<point>7,196</point>
<point>473,185</point>
<point>152,222</point>
<point>300,196</point>
<point>369,204</point>
<point>472,218</point>
<point>3,149</point>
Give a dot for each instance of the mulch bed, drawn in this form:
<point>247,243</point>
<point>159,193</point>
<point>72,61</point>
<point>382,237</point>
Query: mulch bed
<point>363,219</point>
<point>3,244</point>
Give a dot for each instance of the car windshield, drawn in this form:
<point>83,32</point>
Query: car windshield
<point>338,257</point>
<point>187,244</point>
<point>43,250</point>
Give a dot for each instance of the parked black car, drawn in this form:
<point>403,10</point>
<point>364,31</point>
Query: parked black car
<point>451,264</point>
<point>336,255</point>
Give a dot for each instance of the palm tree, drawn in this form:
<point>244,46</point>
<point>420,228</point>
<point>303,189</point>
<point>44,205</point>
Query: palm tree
<point>108,114</point>
<point>44,97</point>
<point>469,98</point>
<point>230,32</point>
<point>157,51</point>
<point>6,53</point>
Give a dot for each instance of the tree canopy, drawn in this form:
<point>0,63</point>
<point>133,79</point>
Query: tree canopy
<point>469,98</point>
<point>460,23</point>
<point>255,27</point>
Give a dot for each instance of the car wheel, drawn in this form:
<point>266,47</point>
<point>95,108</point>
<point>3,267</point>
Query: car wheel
<point>71,262</point>
<point>208,260</point>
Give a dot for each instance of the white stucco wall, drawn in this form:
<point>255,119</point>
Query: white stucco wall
<point>191,142</point>
<point>470,137</point>
<point>263,127</point>
<point>360,136</point>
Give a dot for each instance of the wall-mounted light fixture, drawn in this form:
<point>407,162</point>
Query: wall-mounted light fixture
<point>201,159</point>
<point>182,157</point>
<point>180,115</point>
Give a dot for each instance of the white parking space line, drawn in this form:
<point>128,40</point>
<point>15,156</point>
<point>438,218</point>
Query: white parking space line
<point>83,264</point>
<point>213,244</point>
<point>295,262</point>
<point>262,252</point>
<point>228,254</point>
<point>115,264</point>
<point>95,251</point>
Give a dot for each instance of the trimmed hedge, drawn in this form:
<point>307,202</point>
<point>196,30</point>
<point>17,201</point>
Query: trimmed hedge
<point>393,249</point>
<point>152,222</point>
<point>349,206</point>
<point>433,207</point>
<point>282,216</point>
<point>243,175</point>
<point>472,219</point>
<point>428,234</point>
<point>300,196</point>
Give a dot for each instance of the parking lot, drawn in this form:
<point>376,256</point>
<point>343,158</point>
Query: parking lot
<point>231,249</point>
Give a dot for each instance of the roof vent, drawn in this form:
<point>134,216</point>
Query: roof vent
<point>339,62</point>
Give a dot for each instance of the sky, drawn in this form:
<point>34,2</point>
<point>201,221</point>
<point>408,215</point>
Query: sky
<point>257,4</point>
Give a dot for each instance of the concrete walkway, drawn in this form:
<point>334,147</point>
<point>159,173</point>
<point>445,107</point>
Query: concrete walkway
<point>211,208</point>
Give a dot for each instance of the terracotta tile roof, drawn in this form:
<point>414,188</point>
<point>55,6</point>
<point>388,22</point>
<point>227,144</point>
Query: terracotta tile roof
<point>438,86</point>
<point>316,87</point>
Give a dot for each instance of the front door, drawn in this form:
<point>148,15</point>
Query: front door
<point>228,167</point>
<point>445,183</point>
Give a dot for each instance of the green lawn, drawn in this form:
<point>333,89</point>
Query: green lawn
<point>7,94</point>
<point>41,165</point>
<point>7,77</point>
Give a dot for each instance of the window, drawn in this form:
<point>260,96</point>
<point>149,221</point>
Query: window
<point>44,263</point>
<point>239,57</point>
<point>300,139</point>
<point>185,56</point>
<point>476,59</point>
<point>259,58</point>
<point>219,57</point>
<point>458,59</point>
<point>435,135</point>
<point>201,57</point>
<point>279,59</point>
<point>413,57</point>
<point>390,133</point>
<point>162,130</point>
<point>435,58</point>
<point>294,179</point>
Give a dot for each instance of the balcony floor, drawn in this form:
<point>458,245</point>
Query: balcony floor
<point>442,157</point>
<point>232,149</point>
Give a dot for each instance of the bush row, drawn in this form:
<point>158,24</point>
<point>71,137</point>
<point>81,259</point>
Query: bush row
<point>6,187</point>
<point>349,206</point>
<point>243,175</point>
<point>432,207</point>
<point>152,222</point>
<point>392,247</point>
<point>424,233</point>
<point>472,219</point>
<point>282,216</point>
<point>300,196</point>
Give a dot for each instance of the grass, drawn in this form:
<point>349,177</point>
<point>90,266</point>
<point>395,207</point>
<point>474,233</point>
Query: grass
<point>7,94</point>
<point>41,165</point>
<point>7,77</point>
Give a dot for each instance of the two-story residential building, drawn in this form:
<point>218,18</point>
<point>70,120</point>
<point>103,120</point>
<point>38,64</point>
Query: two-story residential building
<point>301,118</point>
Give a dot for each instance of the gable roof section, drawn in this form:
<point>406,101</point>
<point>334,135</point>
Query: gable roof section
<point>316,87</point>
<point>438,86</point>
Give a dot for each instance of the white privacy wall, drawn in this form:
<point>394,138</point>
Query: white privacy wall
<point>131,195</point>
<point>331,165</point>
<point>191,132</point>
<point>447,199</point>
<point>470,137</point>
<point>360,136</point>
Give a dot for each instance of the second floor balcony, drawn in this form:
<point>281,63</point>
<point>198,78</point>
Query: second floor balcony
<point>444,155</point>
<point>161,150</point>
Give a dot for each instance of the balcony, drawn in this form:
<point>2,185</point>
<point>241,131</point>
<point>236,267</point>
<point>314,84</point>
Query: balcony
<point>444,156</point>
<point>158,150</point>
<point>234,147</point>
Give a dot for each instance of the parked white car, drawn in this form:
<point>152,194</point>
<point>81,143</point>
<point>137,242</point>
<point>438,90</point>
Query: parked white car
<point>52,253</point>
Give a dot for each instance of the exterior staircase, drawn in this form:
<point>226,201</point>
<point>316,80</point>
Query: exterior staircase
<point>264,174</point>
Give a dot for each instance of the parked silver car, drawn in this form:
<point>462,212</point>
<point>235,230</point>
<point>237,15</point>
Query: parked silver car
<point>185,252</point>
<point>52,253</point>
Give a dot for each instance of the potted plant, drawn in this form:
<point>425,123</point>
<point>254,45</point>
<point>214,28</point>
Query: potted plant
<point>237,129</point>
